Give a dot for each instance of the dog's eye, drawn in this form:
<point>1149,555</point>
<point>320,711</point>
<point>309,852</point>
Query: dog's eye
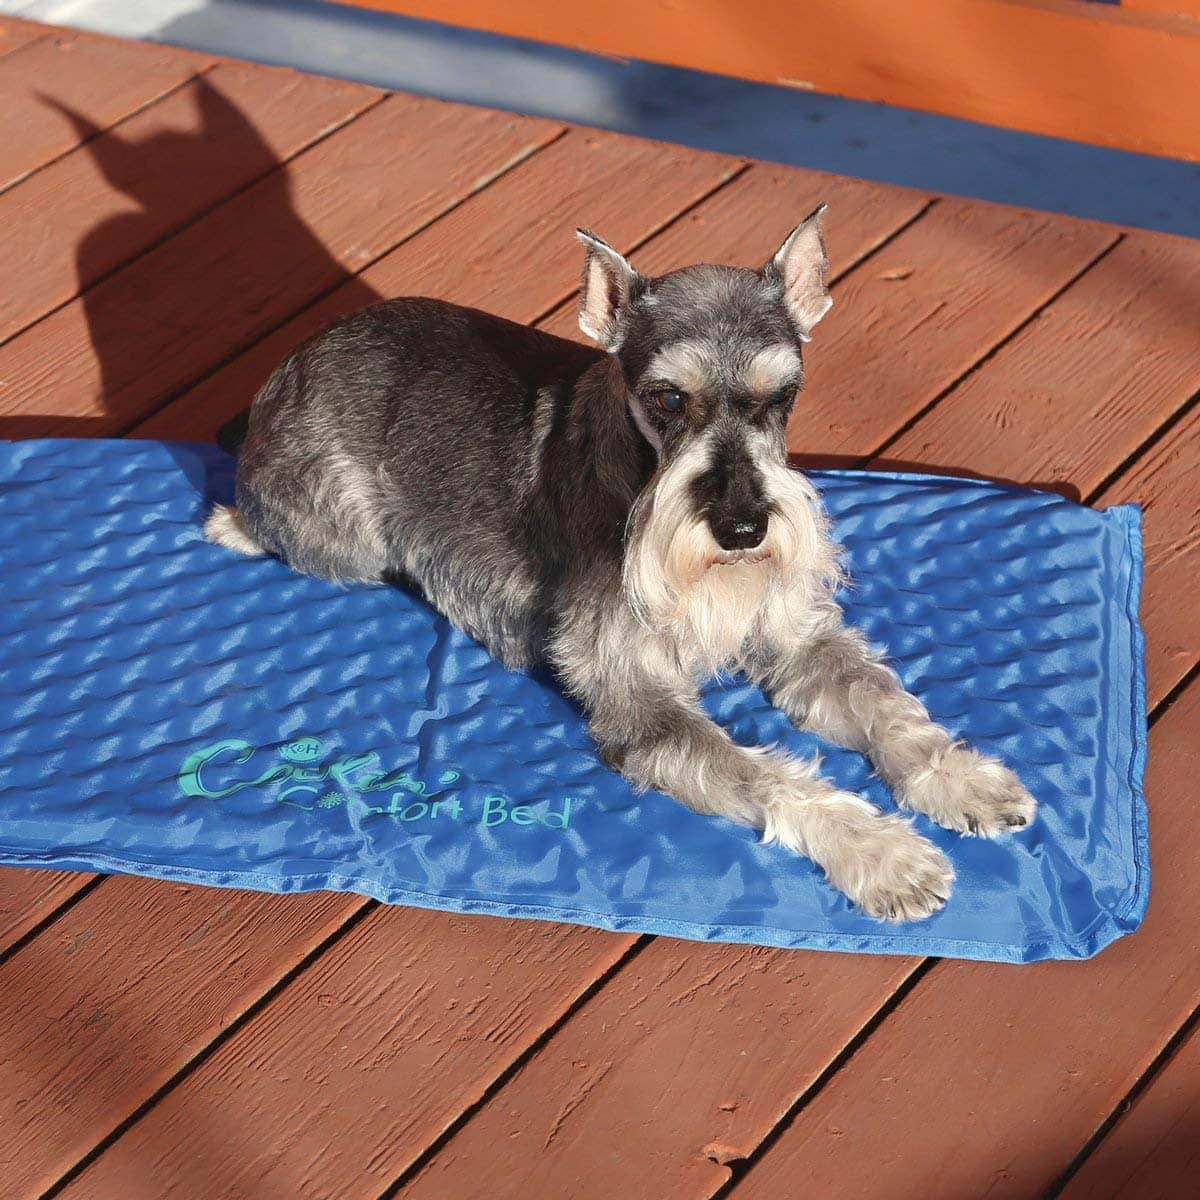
<point>669,400</point>
<point>784,396</point>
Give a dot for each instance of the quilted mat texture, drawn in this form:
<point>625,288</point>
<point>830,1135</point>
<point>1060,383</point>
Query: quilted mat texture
<point>168,708</point>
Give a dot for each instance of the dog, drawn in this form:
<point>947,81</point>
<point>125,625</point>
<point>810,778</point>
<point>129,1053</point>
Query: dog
<point>626,514</point>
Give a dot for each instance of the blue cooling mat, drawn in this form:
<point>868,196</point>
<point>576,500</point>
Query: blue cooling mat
<point>170,709</point>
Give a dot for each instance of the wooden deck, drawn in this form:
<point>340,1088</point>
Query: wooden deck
<point>171,225</point>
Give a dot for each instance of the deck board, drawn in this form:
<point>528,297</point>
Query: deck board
<point>997,1075</point>
<point>28,897</point>
<point>360,1065</point>
<point>1166,482</point>
<point>133,185</point>
<point>1095,375</point>
<point>106,1004</point>
<point>101,362</point>
<point>1153,1152</point>
<point>100,79</point>
<point>15,33</point>
<point>321,1047</point>
<point>510,249</point>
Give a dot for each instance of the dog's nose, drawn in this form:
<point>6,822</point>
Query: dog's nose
<point>740,533</point>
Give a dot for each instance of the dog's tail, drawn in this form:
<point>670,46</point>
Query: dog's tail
<point>225,527</point>
<point>232,434</point>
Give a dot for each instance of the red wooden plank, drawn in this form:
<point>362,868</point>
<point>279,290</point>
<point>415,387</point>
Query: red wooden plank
<point>672,1072</point>
<point>126,189</point>
<point>1166,482</point>
<point>100,362</point>
<point>100,77</point>
<point>744,223</point>
<point>1067,400</point>
<point>906,325</point>
<point>14,34</point>
<point>103,1005</point>
<point>767,200</point>
<point>510,249</point>
<point>29,897</point>
<point>987,1079</point>
<point>378,1047</point>
<point>1153,1152</point>
<point>1094,375</point>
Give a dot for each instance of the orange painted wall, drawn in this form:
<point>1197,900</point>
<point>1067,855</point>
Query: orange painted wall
<point>1067,68</point>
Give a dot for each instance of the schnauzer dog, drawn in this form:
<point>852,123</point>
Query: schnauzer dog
<point>628,515</point>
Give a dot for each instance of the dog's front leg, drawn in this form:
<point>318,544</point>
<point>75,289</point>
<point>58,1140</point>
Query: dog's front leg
<point>829,680</point>
<point>645,717</point>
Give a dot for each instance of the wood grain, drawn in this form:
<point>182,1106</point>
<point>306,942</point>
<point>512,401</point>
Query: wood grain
<point>100,77</point>
<point>1090,379</point>
<point>103,1006</point>
<point>1058,67</point>
<point>1068,399</point>
<point>100,362</point>
<point>359,1064</point>
<point>744,223</point>
<point>29,897</point>
<point>909,323</point>
<point>129,187</point>
<point>510,249</point>
<point>988,1078</point>
<point>1153,1153</point>
<point>15,33</point>
<point>1166,482</point>
<point>680,1066</point>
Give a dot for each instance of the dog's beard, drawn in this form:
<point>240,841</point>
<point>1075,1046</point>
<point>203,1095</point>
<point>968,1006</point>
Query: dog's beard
<point>710,601</point>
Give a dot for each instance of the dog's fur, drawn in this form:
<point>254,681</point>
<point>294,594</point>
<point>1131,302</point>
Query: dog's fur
<point>545,497</point>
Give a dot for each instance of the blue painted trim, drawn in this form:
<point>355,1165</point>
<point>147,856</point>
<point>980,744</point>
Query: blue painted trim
<point>848,137</point>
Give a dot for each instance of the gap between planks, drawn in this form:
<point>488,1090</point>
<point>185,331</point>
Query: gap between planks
<point>217,202</point>
<point>193,63</point>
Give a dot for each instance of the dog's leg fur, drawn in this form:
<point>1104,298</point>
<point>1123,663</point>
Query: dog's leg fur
<point>647,722</point>
<point>832,682</point>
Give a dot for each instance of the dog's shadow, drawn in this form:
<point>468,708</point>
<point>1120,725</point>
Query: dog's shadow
<point>154,172</point>
<point>836,462</point>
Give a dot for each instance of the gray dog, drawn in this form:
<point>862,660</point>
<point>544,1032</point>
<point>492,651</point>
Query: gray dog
<point>628,515</point>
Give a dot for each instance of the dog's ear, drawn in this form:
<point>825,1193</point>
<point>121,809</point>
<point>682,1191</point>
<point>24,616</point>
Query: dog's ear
<point>800,265</point>
<point>609,284</point>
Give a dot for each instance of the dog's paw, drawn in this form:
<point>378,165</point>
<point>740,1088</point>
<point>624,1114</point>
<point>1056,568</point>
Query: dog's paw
<point>968,792</point>
<point>890,871</point>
